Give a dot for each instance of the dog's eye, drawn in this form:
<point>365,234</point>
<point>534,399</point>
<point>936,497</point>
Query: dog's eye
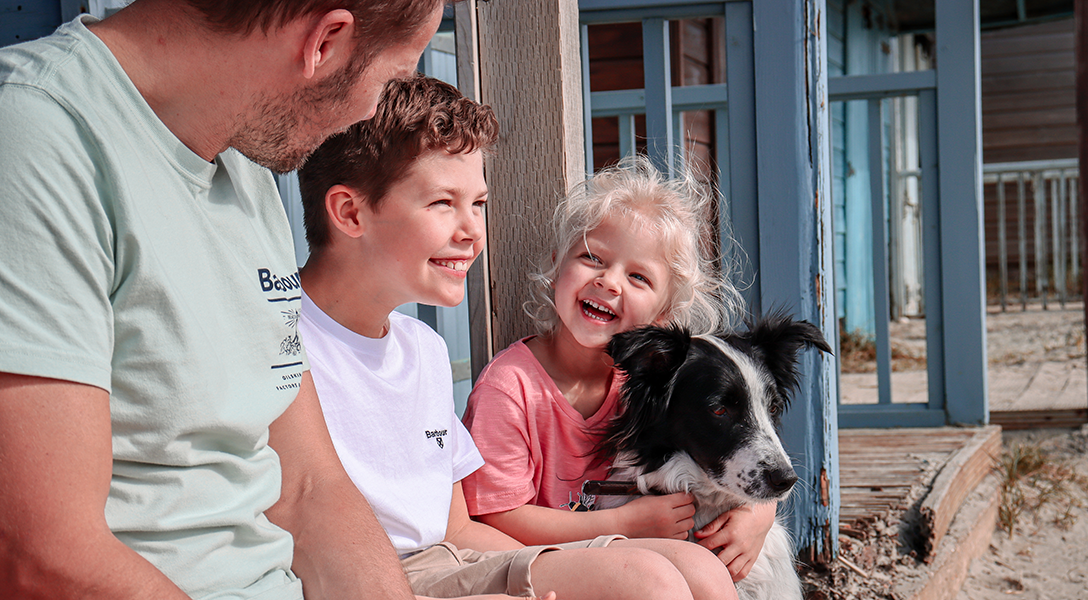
<point>773,409</point>
<point>720,410</point>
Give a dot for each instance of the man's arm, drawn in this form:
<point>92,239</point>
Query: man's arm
<point>341,551</point>
<point>56,461</point>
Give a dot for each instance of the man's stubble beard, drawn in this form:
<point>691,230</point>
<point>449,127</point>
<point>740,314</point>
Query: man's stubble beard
<point>270,139</point>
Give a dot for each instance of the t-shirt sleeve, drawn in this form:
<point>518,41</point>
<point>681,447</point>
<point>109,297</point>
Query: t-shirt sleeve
<point>57,273</point>
<point>466,457</point>
<point>499,427</point>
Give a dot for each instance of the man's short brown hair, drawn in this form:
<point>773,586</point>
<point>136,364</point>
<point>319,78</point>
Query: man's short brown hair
<point>415,115</point>
<point>378,23</point>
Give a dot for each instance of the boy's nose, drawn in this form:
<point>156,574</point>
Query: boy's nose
<point>472,227</point>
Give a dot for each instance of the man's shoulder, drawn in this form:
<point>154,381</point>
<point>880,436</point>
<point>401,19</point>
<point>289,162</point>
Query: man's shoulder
<point>45,63</point>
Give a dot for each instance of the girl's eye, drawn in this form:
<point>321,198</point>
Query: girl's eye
<point>638,277</point>
<point>591,258</point>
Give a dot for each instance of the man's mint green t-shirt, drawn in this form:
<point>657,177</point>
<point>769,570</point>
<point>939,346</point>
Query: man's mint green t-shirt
<point>129,263</point>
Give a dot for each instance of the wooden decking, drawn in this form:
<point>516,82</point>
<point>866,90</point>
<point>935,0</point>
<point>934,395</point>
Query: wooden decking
<point>924,474</point>
<point>920,479</point>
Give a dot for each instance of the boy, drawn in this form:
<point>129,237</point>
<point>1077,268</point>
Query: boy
<point>384,379</point>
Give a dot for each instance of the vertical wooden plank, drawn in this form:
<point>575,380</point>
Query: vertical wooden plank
<point>1055,238</point>
<point>741,192</point>
<point>1074,241</point>
<point>931,247</point>
<point>959,124</point>
<point>1022,239</point>
<point>1080,8</point>
<point>881,310</point>
<point>627,135</point>
<point>1039,187</point>
<point>658,74</point>
<point>466,36</point>
<point>587,103</point>
<point>794,194</point>
<point>530,74</point>
<point>1002,249</point>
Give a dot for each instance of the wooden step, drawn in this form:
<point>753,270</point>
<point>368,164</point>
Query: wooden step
<point>1037,419</point>
<point>960,475</point>
<point>966,539</point>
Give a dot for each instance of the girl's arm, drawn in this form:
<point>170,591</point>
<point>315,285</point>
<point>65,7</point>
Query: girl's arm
<point>649,516</point>
<point>737,536</point>
<point>463,532</point>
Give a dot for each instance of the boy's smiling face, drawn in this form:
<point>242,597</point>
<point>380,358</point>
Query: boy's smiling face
<point>428,230</point>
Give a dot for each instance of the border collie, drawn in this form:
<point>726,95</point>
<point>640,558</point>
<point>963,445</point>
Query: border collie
<point>700,414</point>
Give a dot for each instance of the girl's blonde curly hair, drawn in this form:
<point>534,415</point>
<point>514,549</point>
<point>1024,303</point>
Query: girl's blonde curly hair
<point>701,297</point>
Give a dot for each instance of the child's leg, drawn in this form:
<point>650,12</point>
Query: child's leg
<point>611,573</point>
<point>706,576</point>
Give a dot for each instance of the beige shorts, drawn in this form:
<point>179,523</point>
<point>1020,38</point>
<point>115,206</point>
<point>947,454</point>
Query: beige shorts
<point>444,571</point>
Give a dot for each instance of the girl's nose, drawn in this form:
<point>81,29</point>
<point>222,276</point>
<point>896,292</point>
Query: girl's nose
<point>609,280</point>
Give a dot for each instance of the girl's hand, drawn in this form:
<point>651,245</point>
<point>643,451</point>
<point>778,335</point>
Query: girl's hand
<point>657,517</point>
<point>737,536</point>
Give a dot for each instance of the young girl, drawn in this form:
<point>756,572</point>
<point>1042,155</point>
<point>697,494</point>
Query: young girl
<point>631,249</point>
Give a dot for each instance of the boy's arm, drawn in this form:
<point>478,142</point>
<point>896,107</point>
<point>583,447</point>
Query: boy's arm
<point>341,551</point>
<point>463,532</point>
<point>56,462</point>
<point>649,516</point>
<point>737,536</point>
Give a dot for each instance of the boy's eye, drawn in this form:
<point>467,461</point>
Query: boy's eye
<point>442,203</point>
<point>480,203</point>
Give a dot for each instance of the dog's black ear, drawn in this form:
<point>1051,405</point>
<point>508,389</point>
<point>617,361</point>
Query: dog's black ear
<point>649,357</point>
<point>650,354</point>
<point>780,339</point>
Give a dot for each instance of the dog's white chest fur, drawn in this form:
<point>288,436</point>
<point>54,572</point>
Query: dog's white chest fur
<point>773,577</point>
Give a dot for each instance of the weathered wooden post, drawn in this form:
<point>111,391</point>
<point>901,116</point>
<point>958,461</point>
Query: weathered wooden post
<point>795,239</point>
<point>529,67</point>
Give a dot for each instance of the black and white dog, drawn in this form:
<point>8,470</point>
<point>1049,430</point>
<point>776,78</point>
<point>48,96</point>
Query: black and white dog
<point>700,414</point>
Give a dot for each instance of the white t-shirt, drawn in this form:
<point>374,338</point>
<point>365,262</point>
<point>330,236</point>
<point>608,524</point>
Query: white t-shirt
<point>388,404</point>
<point>129,263</point>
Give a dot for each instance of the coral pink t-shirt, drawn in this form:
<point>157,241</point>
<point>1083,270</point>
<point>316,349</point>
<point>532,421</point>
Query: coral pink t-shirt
<point>537,448</point>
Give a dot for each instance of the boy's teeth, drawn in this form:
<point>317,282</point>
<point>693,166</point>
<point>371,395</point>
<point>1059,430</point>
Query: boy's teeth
<point>456,265</point>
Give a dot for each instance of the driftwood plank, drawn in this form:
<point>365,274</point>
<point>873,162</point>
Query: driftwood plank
<point>961,474</point>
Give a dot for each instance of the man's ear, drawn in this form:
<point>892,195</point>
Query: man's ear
<point>329,43</point>
<point>347,210</point>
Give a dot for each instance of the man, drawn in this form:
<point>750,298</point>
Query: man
<point>153,392</point>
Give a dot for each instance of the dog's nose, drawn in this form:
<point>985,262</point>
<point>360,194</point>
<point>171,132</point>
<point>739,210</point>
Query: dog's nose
<point>781,480</point>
